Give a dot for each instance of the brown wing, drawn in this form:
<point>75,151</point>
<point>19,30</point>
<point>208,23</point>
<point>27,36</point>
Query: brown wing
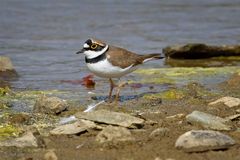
<point>122,57</point>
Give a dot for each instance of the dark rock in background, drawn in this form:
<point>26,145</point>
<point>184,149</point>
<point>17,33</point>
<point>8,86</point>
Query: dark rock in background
<point>199,51</point>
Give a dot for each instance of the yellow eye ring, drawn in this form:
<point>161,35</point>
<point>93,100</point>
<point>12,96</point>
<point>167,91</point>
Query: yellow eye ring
<point>93,46</point>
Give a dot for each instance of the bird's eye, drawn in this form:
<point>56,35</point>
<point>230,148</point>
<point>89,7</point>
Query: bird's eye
<point>93,46</point>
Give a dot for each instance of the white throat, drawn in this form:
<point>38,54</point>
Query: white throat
<point>93,54</point>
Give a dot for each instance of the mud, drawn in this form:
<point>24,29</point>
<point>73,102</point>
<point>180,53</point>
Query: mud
<point>166,109</point>
<point>159,112</point>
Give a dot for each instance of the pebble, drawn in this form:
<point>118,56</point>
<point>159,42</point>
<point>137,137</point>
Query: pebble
<point>159,132</point>
<point>50,105</point>
<point>66,120</point>
<point>203,140</point>
<point>238,110</point>
<point>50,155</point>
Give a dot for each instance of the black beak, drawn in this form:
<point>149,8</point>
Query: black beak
<point>161,57</point>
<point>81,51</point>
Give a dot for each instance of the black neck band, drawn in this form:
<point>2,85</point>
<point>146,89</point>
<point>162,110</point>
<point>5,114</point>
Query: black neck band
<point>96,59</point>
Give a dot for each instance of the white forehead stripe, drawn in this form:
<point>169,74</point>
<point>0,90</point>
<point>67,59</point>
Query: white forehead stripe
<point>85,45</point>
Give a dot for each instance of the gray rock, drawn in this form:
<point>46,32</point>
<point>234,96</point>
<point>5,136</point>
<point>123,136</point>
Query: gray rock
<point>208,121</point>
<point>74,128</point>
<point>114,134</point>
<point>114,118</point>
<point>27,140</point>
<point>198,50</point>
<point>228,101</point>
<point>50,105</point>
<point>5,64</point>
<point>159,132</point>
<point>203,140</point>
<point>6,68</point>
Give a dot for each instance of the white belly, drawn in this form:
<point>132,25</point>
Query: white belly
<point>106,70</point>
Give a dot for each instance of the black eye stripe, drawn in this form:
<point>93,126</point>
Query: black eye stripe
<point>99,48</point>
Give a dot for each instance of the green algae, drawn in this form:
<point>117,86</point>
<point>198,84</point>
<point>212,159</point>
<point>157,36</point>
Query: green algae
<point>3,106</point>
<point>8,130</point>
<point>193,92</point>
<point>182,75</point>
<point>32,94</point>
<point>4,91</point>
<point>172,94</point>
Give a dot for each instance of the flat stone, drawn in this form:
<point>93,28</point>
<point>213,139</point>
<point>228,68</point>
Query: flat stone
<point>114,134</point>
<point>74,128</point>
<point>159,132</point>
<point>203,140</point>
<point>27,140</point>
<point>50,105</point>
<point>208,121</point>
<point>228,101</point>
<point>113,118</point>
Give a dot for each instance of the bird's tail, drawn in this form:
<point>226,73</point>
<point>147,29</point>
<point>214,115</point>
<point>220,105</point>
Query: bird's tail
<point>149,57</point>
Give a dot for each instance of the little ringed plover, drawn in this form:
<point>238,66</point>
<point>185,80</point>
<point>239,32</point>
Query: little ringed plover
<point>109,61</point>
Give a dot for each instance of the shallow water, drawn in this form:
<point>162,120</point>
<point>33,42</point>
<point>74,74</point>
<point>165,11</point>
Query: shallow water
<point>41,37</point>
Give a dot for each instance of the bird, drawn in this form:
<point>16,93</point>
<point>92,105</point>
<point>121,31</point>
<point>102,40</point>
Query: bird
<point>108,61</point>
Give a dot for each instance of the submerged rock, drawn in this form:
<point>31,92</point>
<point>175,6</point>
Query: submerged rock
<point>114,118</point>
<point>50,105</point>
<point>198,51</point>
<point>208,121</point>
<point>203,140</point>
<point>74,128</point>
<point>27,140</point>
<point>114,134</point>
<point>228,101</point>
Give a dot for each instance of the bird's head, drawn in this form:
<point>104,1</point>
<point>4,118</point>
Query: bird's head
<point>93,48</point>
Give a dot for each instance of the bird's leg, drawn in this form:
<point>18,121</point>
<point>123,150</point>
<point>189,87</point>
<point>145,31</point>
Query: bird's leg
<point>120,86</point>
<point>112,85</point>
